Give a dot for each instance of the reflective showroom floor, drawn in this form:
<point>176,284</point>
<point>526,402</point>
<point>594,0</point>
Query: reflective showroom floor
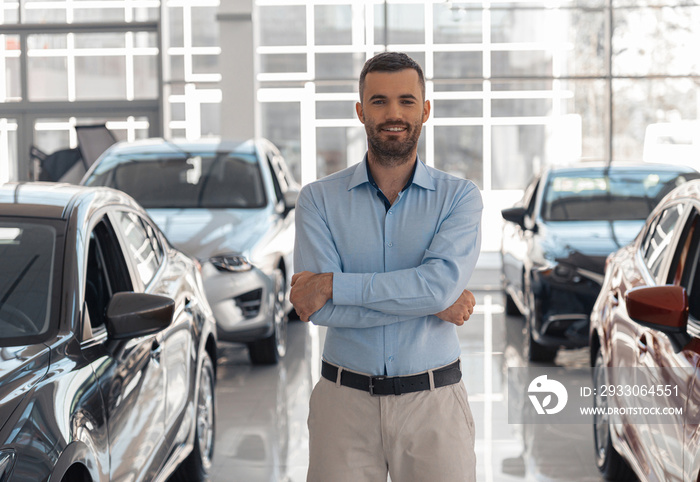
<point>261,425</point>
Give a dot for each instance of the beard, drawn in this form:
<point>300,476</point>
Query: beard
<point>393,151</point>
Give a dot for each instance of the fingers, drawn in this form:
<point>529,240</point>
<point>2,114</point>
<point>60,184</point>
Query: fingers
<point>296,276</point>
<point>470,296</point>
<point>470,302</point>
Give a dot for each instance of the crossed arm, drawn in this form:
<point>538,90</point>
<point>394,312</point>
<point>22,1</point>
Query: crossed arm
<point>325,294</point>
<point>311,291</point>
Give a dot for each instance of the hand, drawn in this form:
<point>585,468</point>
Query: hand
<point>310,291</point>
<point>460,311</point>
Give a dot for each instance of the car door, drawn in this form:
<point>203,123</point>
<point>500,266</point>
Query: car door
<point>690,279</point>
<point>668,365</point>
<point>174,345</point>
<point>516,241</point>
<point>282,183</point>
<point>130,373</point>
<point>634,271</point>
<point>655,436</point>
<point>671,365</point>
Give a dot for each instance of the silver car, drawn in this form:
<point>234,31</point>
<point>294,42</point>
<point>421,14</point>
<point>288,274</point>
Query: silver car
<point>231,206</point>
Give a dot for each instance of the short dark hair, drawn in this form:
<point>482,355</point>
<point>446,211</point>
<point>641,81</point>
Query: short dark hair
<point>391,62</point>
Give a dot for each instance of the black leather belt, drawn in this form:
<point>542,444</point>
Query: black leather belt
<point>382,385</point>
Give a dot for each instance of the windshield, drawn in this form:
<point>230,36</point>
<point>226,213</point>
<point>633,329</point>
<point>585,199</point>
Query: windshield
<point>27,260</point>
<point>607,196</point>
<point>170,180</point>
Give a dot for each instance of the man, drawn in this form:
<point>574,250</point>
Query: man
<point>387,247</point>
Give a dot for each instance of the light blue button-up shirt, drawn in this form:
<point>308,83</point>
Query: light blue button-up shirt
<point>393,269</point>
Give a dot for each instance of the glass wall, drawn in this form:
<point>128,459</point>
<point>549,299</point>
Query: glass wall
<point>142,68</point>
<point>515,85</point>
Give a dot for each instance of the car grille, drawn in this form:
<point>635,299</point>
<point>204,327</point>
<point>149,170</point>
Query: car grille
<point>249,303</point>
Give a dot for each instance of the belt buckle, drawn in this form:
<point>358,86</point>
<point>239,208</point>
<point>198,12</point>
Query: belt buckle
<point>371,382</point>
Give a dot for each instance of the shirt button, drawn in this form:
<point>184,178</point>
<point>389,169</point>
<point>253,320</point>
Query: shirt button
<point>390,244</point>
<point>391,212</point>
<point>391,358</point>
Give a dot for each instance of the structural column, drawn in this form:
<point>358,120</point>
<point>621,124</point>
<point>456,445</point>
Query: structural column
<point>239,106</point>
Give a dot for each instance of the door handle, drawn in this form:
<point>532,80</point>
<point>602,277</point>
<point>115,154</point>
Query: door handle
<point>156,350</point>
<point>642,345</point>
<point>615,298</point>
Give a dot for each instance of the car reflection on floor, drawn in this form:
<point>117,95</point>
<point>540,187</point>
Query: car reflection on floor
<point>261,424</point>
<point>262,411</point>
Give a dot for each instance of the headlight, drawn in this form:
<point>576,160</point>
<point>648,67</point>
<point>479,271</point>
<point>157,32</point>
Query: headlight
<point>231,262</point>
<point>7,461</point>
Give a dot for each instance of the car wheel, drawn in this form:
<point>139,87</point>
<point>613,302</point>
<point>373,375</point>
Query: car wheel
<point>532,350</point>
<point>196,467</point>
<point>511,307</point>
<point>610,463</point>
<point>270,350</point>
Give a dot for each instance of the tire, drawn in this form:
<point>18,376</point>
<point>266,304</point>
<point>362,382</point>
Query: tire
<point>510,306</point>
<point>610,463</point>
<point>532,350</point>
<point>196,467</point>
<point>272,349</point>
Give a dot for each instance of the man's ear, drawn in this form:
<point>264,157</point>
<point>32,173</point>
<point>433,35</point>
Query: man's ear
<point>426,110</point>
<point>360,112</point>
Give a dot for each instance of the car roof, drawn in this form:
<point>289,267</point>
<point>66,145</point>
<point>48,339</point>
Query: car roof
<point>54,200</point>
<point>689,189</point>
<point>158,145</point>
<point>623,166</point>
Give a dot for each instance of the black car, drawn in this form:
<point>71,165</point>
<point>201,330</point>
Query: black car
<point>556,241</point>
<point>107,343</point>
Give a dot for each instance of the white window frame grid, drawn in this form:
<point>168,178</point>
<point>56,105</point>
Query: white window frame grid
<point>196,92</point>
<point>363,43</point>
<point>199,88</point>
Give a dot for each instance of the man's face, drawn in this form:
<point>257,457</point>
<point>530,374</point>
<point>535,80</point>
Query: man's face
<point>393,112</point>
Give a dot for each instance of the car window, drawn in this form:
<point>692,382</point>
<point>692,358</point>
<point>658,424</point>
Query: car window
<point>142,247</point>
<point>105,274</point>
<point>274,170</point>
<point>155,241</point>
<point>530,196</point>
<point>650,228</point>
<point>659,239</point>
<point>685,269</point>
<point>207,180</point>
<point>693,285</point>
<point>284,174</point>
<point>607,195</point>
<point>27,252</point>
<point>683,255</point>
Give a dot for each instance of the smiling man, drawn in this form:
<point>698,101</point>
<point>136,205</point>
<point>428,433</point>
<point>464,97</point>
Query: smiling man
<point>386,248</point>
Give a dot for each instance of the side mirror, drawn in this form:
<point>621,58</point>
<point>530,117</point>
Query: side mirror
<point>515,215</point>
<point>131,315</point>
<point>662,308</point>
<point>290,200</point>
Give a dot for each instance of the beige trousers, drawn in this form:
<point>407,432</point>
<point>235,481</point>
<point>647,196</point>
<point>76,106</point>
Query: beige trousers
<point>424,436</point>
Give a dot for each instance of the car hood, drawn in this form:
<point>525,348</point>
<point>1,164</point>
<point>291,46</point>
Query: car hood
<point>587,243</point>
<point>203,233</point>
<point>21,367</point>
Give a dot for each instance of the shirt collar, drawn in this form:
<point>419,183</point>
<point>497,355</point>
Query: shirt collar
<point>420,177</point>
